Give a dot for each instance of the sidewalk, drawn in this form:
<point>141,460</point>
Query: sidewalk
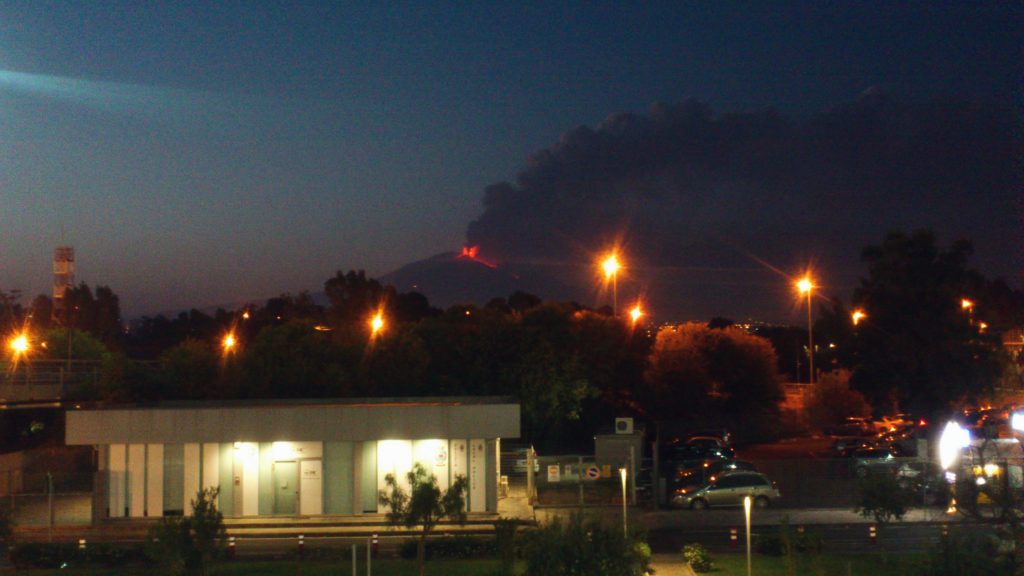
<point>670,565</point>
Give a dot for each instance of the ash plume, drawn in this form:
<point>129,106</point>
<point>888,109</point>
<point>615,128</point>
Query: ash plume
<point>702,196</point>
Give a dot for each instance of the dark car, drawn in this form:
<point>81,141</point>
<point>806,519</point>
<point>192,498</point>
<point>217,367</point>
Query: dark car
<point>682,476</point>
<point>873,460</point>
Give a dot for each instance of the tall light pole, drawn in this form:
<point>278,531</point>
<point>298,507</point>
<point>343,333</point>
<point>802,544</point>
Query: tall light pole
<point>746,514</point>
<point>625,530</point>
<point>805,286</point>
<point>611,267</point>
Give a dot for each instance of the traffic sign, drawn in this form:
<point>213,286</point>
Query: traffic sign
<point>592,472</point>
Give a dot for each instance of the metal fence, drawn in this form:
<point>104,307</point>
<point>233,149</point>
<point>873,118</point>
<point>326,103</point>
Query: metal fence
<point>42,498</point>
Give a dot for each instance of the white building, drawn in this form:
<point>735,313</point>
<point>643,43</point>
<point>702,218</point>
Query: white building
<point>290,458</point>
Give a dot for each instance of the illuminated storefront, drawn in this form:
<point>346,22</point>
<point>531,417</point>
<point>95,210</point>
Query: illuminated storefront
<point>290,458</point>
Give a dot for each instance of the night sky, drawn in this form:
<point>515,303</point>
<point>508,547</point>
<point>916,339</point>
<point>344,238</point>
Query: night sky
<point>212,153</point>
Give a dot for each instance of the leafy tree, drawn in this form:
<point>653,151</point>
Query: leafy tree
<point>187,544</point>
<point>353,296</point>
<point>693,370</point>
<point>293,360</point>
<point>424,505</point>
<point>830,400</point>
<point>881,497</point>
<point>98,314</point>
<point>189,370</point>
<point>918,348</point>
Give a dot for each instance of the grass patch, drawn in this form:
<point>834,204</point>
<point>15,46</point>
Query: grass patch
<point>822,564</point>
<point>383,567</point>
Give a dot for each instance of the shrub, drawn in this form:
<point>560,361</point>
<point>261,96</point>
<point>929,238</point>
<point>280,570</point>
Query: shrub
<point>971,555</point>
<point>505,542</point>
<point>582,548</point>
<point>186,544</point>
<point>698,557</point>
<point>771,545</point>
<point>450,547</point>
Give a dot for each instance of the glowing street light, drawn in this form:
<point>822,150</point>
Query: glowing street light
<point>954,438</point>
<point>747,515</point>
<point>857,316</point>
<point>635,314</point>
<point>19,345</point>
<point>376,324</point>
<point>622,475</point>
<point>966,304</point>
<point>805,286</point>
<point>229,343</point>
<point>611,267</point>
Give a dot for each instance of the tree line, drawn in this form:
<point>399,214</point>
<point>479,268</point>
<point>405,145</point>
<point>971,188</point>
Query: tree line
<point>572,368</point>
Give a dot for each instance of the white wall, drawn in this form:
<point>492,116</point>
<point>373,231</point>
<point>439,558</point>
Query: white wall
<point>155,480</point>
<point>211,466</point>
<point>191,462</point>
<point>477,475</point>
<point>393,457</point>
<point>117,472</point>
<point>136,480</point>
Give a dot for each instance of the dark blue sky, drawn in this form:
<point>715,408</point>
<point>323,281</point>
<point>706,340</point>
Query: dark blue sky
<point>204,153</point>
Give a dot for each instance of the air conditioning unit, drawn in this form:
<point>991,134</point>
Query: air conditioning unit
<point>623,425</point>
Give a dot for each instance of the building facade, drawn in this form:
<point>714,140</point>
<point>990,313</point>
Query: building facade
<point>290,458</point>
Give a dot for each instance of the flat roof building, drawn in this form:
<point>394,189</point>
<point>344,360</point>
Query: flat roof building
<point>290,457</point>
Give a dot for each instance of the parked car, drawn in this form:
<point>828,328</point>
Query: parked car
<point>872,460</point>
<point>693,455</point>
<point>852,426</point>
<point>711,443</point>
<point>704,472</point>
<point>843,446</point>
<point>729,489</point>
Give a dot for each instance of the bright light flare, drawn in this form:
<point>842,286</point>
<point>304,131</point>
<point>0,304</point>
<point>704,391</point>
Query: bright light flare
<point>954,439</point>
<point>19,344</point>
<point>611,265</point>
<point>804,285</point>
<point>376,323</point>
<point>966,304</point>
<point>1017,421</point>
<point>636,313</point>
<point>857,316</point>
<point>229,342</point>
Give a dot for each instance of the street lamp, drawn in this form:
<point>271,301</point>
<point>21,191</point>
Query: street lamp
<point>805,286</point>
<point>635,314</point>
<point>376,324</point>
<point>746,514</point>
<point>229,343</point>
<point>611,267</point>
<point>622,474</point>
<point>857,316</point>
<point>953,440</point>
<point>19,345</point>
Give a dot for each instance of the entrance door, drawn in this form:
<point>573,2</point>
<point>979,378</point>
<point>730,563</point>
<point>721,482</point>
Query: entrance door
<point>286,488</point>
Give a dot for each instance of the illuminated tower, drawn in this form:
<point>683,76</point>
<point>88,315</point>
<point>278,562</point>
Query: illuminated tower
<point>63,276</point>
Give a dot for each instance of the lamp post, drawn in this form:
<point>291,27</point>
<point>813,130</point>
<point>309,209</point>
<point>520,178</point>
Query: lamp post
<point>635,314</point>
<point>611,267</point>
<point>376,324</point>
<point>857,316</point>
<point>229,342</point>
<point>953,440</point>
<point>19,350</point>
<point>746,515</point>
<point>625,530</point>
<point>805,286</point>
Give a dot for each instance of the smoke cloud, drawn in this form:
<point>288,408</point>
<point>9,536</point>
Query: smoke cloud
<point>701,200</point>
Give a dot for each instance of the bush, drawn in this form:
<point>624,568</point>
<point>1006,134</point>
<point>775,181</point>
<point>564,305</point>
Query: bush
<point>582,548</point>
<point>970,555</point>
<point>771,545</point>
<point>505,542</point>
<point>186,544</point>
<point>56,555</point>
<point>698,557</point>
<point>451,547</point>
